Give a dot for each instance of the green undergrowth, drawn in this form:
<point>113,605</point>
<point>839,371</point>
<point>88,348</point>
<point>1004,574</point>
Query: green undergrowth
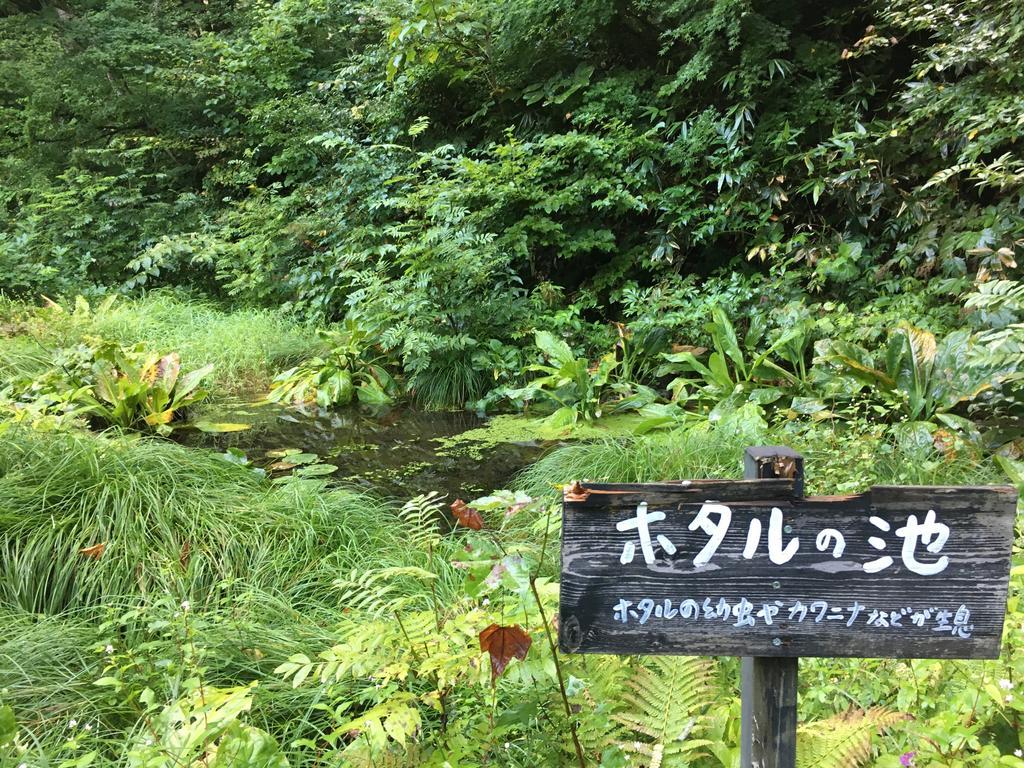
<point>211,572</point>
<point>49,666</point>
<point>837,460</point>
<point>170,564</point>
<point>247,347</point>
<point>511,428</point>
<point>85,517</point>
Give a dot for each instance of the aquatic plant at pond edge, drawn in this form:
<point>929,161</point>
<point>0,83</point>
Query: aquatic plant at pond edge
<point>351,369</point>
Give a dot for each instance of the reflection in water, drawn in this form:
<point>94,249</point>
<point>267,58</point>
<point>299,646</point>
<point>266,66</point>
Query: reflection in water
<point>392,451</point>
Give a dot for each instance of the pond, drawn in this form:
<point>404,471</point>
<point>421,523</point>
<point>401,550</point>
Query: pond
<point>399,451</point>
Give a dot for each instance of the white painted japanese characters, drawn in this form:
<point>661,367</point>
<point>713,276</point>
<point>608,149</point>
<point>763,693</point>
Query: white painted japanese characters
<point>714,519</point>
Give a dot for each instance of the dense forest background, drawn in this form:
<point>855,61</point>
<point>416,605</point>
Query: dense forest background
<point>460,173</point>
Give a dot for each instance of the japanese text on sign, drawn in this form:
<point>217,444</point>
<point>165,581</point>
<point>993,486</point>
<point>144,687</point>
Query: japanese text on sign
<point>922,540</point>
<point>747,614</point>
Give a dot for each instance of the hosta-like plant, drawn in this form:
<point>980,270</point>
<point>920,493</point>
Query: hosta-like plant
<point>919,379</point>
<point>574,386</point>
<point>134,390</point>
<point>350,370</point>
<point>740,371</point>
<point>110,385</point>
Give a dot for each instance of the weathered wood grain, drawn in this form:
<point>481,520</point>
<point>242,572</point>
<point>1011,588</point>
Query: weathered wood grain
<point>768,726</point>
<point>768,685</point>
<point>594,580</point>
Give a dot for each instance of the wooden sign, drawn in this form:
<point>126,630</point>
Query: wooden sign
<point>752,568</point>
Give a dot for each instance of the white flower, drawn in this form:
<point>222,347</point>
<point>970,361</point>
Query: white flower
<point>186,605</point>
<point>1005,684</point>
<point>149,742</point>
<point>109,649</point>
<point>88,726</point>
<point>1009,698</point>
<point>486,601</point>
<point>23,765</point>
<point>1018,753</point>
<point>72,723</point>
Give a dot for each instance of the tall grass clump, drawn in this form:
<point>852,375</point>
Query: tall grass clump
<point>447,381</point>
<point>839,460</point>
<point>85,517</point>
<point>679,454</point>
<point>246,346</point>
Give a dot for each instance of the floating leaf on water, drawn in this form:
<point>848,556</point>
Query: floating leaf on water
<point>221,426</point>
<point>316,470</point>
<point>280,453</point>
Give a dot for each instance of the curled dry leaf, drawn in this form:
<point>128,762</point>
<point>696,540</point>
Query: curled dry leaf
<point>466,515</point>
<point>185,555</point>
<point>575,492</point>
<point>504,644</point>
<point>94,551</point>
<point>695,351</point>
<point>518,507</point>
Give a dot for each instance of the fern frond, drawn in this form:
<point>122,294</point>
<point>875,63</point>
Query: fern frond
<point>998,294</point>
<point>382,590</point>
<point>666,701</point>
<point>844,740</point>
<point>420,517</point>
<point>607,678</point>
<point>1002,348</point>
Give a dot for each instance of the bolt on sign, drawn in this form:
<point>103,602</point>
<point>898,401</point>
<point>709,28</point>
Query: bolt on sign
<point>754,568</point>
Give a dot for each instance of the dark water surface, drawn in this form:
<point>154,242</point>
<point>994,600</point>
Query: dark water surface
<point>394,451</point>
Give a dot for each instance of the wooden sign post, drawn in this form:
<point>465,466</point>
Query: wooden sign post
<point>753,568</point>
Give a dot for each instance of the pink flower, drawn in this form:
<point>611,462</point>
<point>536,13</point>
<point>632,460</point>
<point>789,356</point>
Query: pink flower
<point>907,759</point>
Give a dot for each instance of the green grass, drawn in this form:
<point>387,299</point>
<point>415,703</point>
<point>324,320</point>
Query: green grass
<point>247,346</point>
<point>448,383</point>
<point>836,460</point>
<point>172,519</point>
<point>261,577</point>
<point>49,665</point>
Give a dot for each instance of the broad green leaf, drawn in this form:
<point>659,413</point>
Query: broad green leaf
<point>243,746</point>
<point>725,339</point>
<point>720,372</point>
<point>191,380</point>
<point>554,348</point>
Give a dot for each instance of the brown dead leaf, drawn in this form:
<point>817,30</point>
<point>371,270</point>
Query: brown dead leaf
<point>466,515</point>
<point>695,351</point>
<point>575,492</point>
<point>94,551</point>
<point>504,644</point>
<point>518,507</point>
<point>185,555</point>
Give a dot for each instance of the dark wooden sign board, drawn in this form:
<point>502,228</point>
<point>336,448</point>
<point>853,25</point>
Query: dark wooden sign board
<point>753,568</point>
